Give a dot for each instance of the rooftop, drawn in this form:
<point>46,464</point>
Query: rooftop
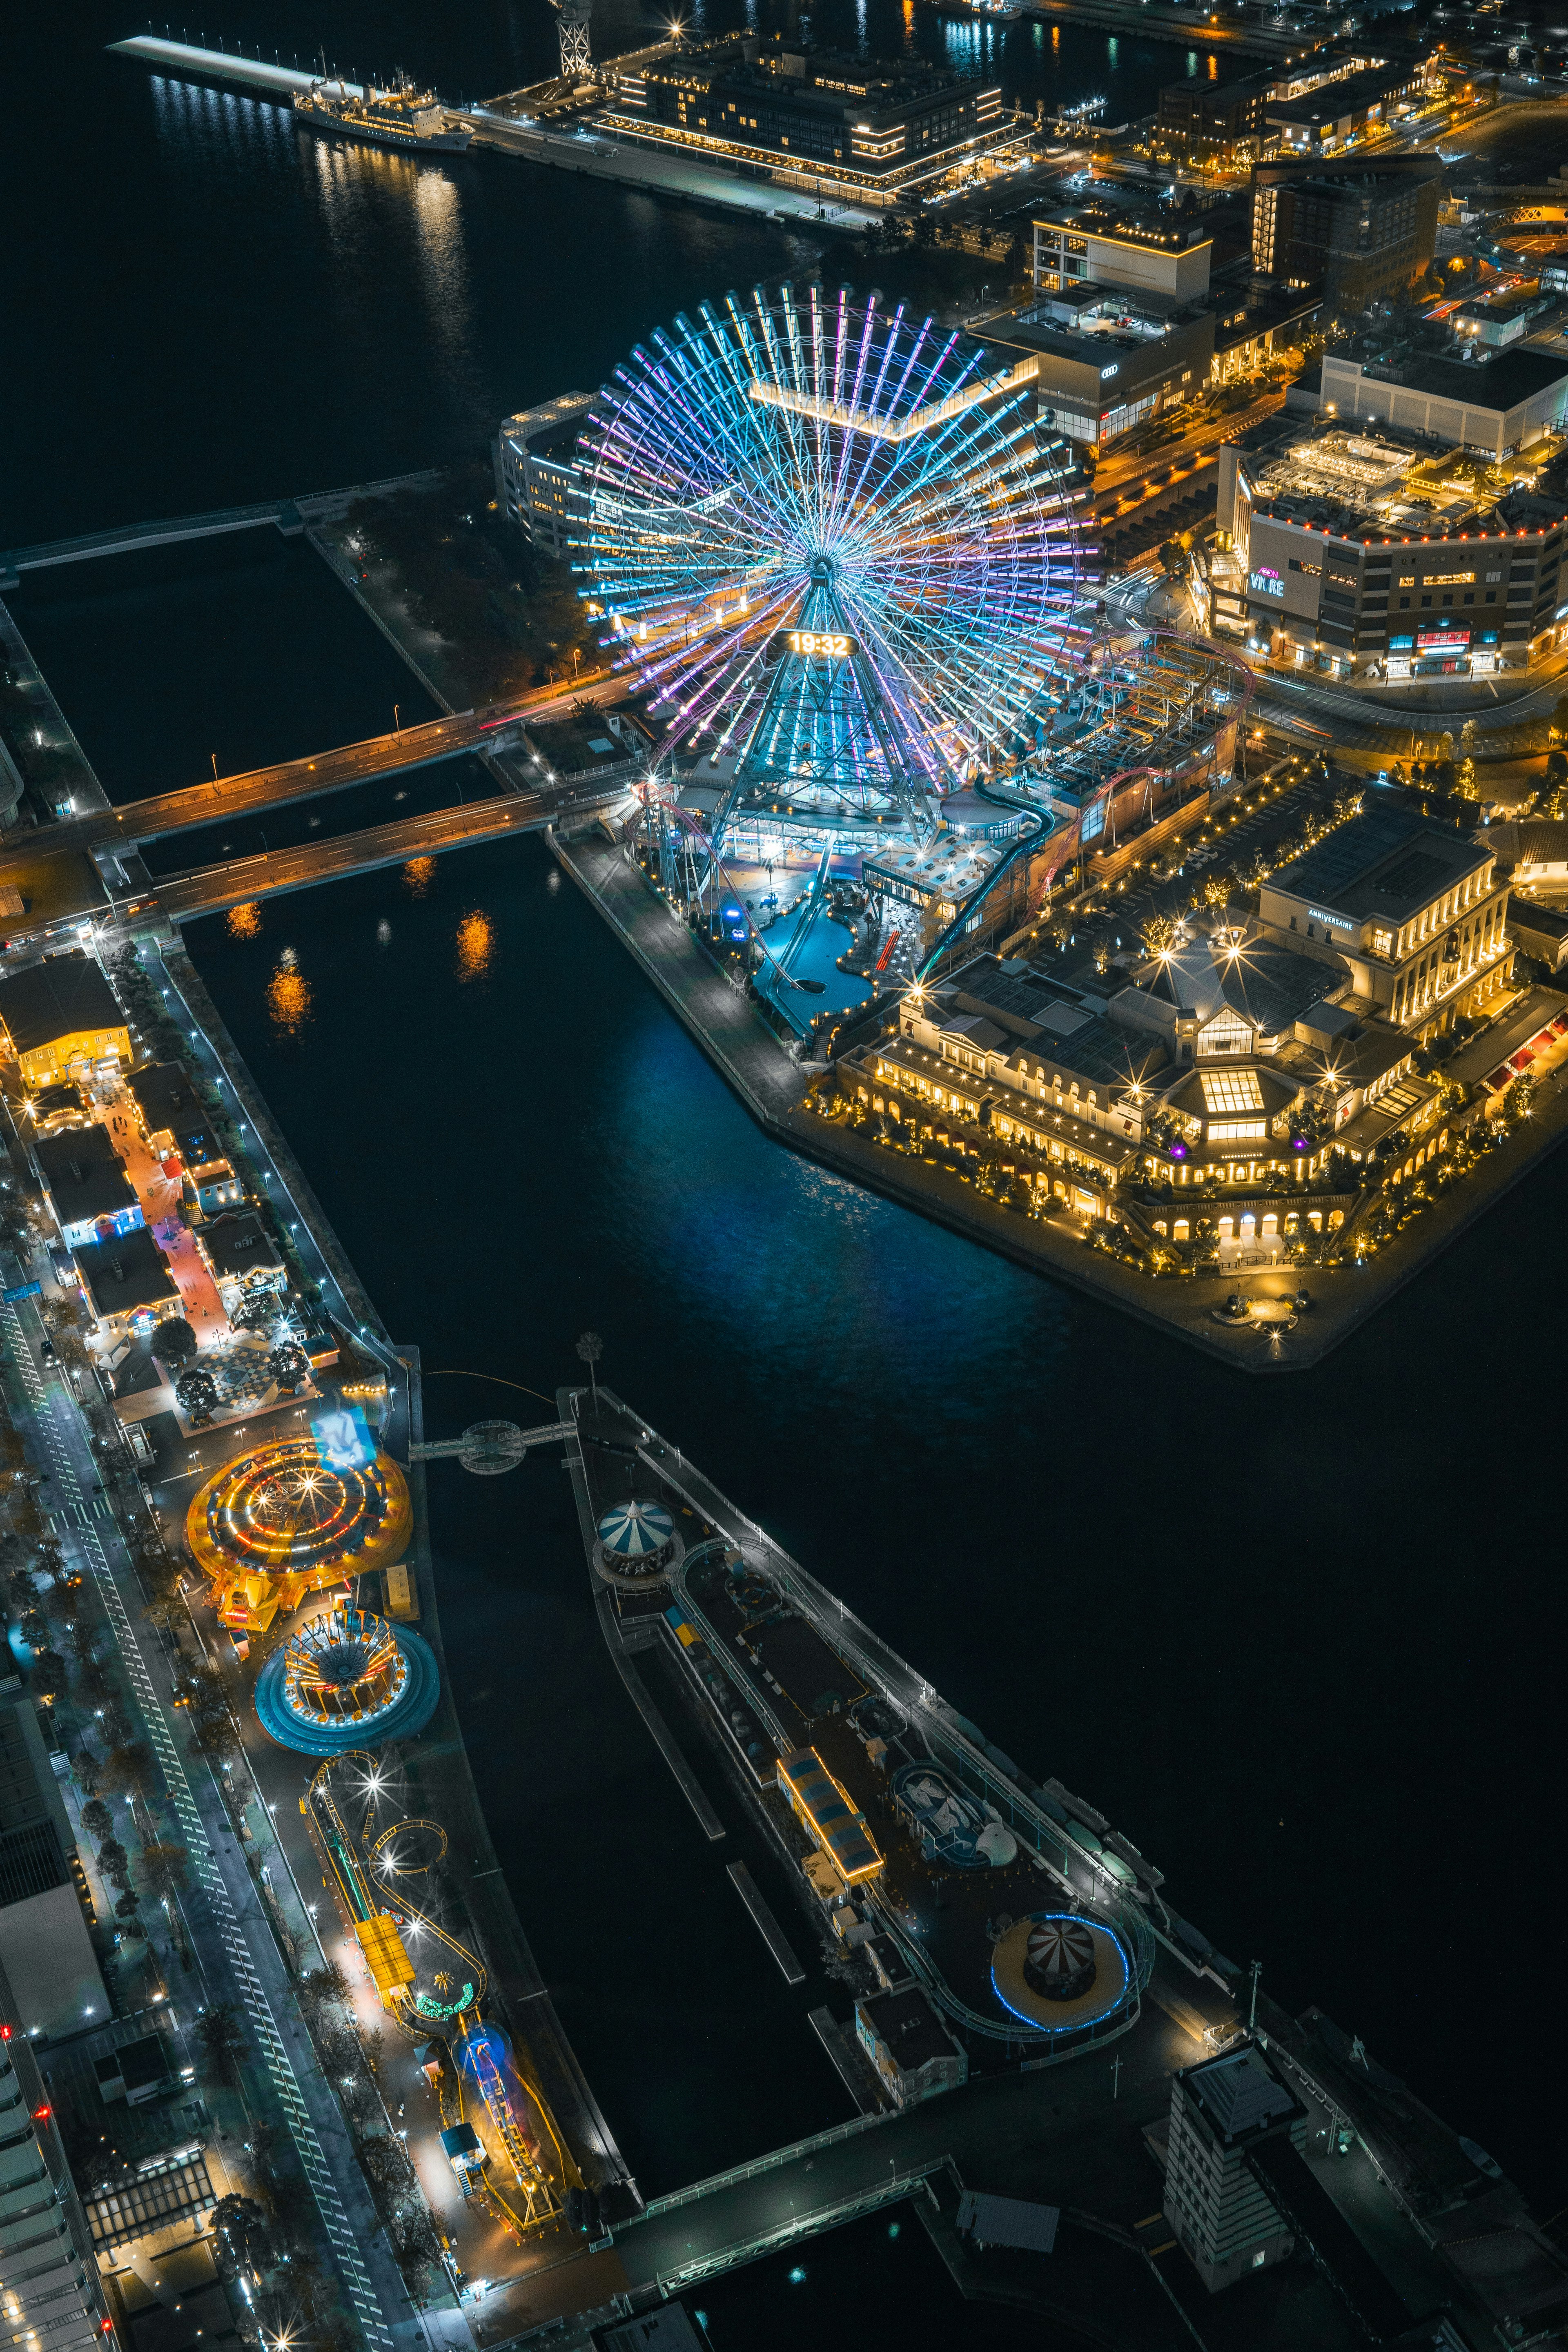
<point>125,1273</point>
<point>63,996</point>
<point>1269,986</point>
<point>908,2027</point>
<point>238,1245</point>
<point>1239,2094</point>
<point>1047,1019</point>
<point>1158,230</point>
<point>164,1095</point>
<point>85,1174</point>
<point>1381,862</point>
<point>1501,382</point>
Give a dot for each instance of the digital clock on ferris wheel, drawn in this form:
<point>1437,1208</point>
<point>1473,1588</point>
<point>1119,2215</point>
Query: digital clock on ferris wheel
<point>820,645</point>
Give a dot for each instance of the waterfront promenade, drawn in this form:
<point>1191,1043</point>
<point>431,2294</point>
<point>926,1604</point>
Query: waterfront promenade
<point>772,1086</point>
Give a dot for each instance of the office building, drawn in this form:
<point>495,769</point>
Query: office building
<point>49,2284</point>
<point>1103,361</point>
<point>873,130</point>
<point>1223,2112</point>
<point>1357,554</point>
<point>1228,122</point>
<point>1335,119</point>
<point>1138,245</point>
<point>1359,235</point>
<point>63,1019</point>
<point>538,480</point>
<point>46,1949</point>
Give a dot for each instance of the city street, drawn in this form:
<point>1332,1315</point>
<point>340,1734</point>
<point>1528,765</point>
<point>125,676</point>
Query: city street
<point>237,1954</point>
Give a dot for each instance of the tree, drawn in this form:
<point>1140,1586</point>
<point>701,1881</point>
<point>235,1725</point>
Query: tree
<point>49,1676</point>
<point>173,1343</point>
<point>97,1820</point>
<point>1159,934</point>
<point>114,1862</point>
<point>288,1366</point>
<point>219,2031</point>
<point>128,1911</point>
<point>161,1870</point>
<point>195,1392</point>
<point>241,2227</point>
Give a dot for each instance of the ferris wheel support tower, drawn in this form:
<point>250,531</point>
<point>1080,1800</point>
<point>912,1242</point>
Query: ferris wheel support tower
<point>576,59</point>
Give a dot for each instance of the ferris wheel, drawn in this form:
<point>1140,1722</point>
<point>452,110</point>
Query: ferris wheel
<point>837,547</point>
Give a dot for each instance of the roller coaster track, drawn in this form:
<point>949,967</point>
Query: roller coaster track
<point>360,1880</point>
<point>366,1867</point>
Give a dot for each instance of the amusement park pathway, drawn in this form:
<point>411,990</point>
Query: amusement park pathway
<point>237,1956</point>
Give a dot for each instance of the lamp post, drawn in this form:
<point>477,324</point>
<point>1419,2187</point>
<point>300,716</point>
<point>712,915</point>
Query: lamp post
<point>590,1347</point>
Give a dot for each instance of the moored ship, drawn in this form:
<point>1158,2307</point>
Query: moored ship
<point>386,118</point>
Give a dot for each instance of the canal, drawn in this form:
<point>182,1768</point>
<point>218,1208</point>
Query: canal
<point>1302,1639</point>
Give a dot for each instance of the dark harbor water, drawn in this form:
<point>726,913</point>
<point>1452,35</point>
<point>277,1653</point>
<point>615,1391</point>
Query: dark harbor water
<point>1302,1639</point>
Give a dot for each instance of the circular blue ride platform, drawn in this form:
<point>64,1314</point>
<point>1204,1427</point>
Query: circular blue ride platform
<point>374,1705</point>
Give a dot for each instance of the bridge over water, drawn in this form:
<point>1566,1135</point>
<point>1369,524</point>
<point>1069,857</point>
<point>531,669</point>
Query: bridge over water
<point>230,799</point>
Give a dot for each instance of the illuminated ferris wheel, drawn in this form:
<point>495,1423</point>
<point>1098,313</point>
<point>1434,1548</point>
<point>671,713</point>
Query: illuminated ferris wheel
<point>837,547</point>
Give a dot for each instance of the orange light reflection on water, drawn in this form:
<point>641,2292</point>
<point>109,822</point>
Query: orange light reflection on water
<point>419,875</point>
<point>476,945</point>
<point>288,1000</point>
<point>245,922</point>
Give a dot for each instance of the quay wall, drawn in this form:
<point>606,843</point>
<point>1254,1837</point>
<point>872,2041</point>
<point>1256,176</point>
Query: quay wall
<point>438,1761</point>
<point>772,1085</point>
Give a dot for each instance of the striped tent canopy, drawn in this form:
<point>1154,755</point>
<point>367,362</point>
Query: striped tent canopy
<point>634,1530</point>
<point>1061,1950</point>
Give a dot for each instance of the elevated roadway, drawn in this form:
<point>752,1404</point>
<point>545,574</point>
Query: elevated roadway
<point>210,889</point>
<point>228,799</point>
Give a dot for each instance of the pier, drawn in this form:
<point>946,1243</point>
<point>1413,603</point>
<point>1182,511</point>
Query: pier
<point>1069,2126</point>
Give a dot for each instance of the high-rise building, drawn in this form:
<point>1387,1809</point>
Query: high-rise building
<point>1358,234</point>
<point>49,2291</point>
<point>1222,2111</point>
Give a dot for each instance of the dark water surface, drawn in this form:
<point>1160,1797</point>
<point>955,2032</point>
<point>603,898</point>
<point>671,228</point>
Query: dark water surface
<point>1301,1639</point>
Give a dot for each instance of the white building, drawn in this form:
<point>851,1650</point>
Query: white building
<point>1221,2111</point>
<point>537,477</point>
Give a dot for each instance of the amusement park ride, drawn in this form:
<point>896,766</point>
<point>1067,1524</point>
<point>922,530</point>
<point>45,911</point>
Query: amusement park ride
<point>836,543</point>
<point>432,1985</point>
<point>299,1519</point>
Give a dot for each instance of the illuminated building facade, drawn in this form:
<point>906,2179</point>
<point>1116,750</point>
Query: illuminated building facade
<point>49,2288</point>
<point>1100,243</point>
<point>538,480</point>
<point>63,1019</point>
<point>1356,233</point>
<point>1357,553</point>
<point>873,130</point>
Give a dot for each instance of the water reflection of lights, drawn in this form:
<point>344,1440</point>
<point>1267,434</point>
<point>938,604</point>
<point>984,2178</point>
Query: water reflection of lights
<point>289,998</point>
<point>383,931</point>
<point>476,945</point>
<point>245,922</point>
<point>419,875</point>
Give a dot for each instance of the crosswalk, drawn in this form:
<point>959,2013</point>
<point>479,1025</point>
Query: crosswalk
<point>77,1520</point>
